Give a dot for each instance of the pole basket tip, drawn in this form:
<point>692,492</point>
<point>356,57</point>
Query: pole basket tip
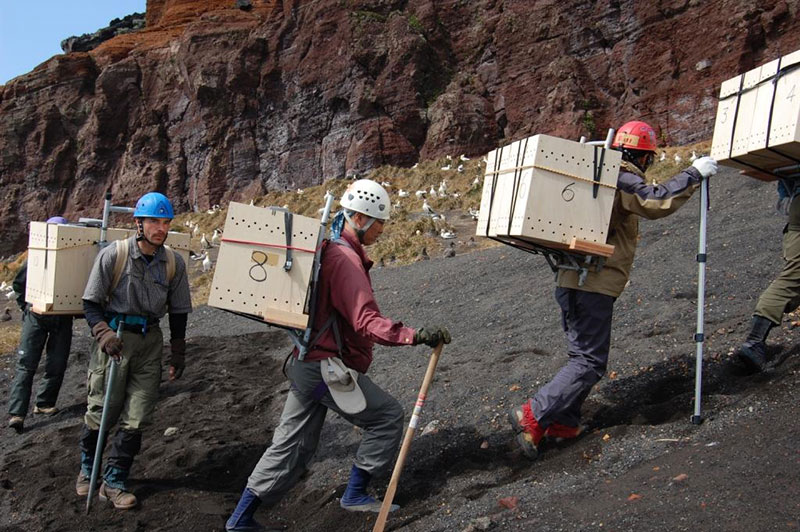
<point>697,420</point>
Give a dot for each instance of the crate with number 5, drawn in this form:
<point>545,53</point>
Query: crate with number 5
<point>552,192</point>
<point>259,271</point>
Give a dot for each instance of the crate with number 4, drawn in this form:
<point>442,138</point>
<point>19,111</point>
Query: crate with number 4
<point>758,117</point>
<point>260,272</point>
<point>552,192</point>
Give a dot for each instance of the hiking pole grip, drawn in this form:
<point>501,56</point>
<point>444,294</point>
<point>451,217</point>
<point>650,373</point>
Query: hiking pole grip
<point>380,523</point>
<point>101,436</point>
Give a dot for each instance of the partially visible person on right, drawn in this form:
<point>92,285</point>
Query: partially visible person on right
<point>783,294</point>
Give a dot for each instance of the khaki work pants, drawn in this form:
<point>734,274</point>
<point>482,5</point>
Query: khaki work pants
<point>134,392</point>
<point>783,294</point>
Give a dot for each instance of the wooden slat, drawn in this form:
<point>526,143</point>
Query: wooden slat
<point>591,248</point>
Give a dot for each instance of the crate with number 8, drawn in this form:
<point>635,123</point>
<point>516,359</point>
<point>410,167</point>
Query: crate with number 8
<point>552,192</point>
<point>251,275</point>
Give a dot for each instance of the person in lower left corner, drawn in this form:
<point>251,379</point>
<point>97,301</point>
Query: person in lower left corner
<point>346,326</point>
<point>52,334</point>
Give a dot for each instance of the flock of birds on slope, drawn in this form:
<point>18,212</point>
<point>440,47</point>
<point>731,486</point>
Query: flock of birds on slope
<point>426,210</point>
<point>423,195</point>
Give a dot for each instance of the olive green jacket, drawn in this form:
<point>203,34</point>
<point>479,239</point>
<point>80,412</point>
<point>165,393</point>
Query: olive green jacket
<point>634,198</point>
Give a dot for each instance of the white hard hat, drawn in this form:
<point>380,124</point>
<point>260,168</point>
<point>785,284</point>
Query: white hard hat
<point>367,197</point>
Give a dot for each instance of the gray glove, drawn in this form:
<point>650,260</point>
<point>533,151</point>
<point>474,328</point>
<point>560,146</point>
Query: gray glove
<point>706,166</point>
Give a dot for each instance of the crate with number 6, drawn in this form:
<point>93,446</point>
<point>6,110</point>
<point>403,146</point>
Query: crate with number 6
<point>259,271</point>
<point>552,192</point>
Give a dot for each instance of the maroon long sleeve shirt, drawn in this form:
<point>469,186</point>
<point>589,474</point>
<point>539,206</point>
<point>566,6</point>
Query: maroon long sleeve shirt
<point>345,287</point>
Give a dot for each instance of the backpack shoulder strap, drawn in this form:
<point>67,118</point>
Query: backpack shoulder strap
<point>119,263</point>
<point>170,263</point>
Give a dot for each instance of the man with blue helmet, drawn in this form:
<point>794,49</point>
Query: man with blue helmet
<point>39,333</point>
<point>153,281</point>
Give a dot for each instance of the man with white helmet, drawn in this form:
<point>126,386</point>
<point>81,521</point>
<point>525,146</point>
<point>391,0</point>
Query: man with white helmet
<point>332,375</point>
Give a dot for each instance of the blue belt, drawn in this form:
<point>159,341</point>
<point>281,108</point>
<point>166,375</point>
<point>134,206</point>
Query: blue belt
<point>131,322</point>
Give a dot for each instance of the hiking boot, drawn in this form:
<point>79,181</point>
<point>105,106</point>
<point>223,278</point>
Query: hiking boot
<point>559,432</point>
<point>82,485</point>
<point>529,433</point>
<point>121,499</point>
<point>356,498</point>
<point>16,423</point>
<point>754,356</point>
<point>365,504</point>
<point>753,352</point>
<point>45,410</point>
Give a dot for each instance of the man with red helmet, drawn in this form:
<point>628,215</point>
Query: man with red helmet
<point>586,310</point>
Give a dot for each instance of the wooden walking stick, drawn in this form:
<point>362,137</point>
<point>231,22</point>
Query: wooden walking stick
<point>380,523</point>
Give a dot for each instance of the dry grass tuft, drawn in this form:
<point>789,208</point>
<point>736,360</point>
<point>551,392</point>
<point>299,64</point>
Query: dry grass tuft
<point>9,338</point>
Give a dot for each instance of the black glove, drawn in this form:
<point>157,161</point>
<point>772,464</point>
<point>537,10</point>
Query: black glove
<point>177,359</point>
<point>107,339</point>
<point>432,336</point>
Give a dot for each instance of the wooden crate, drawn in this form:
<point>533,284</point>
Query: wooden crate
<point>542,190</point>
<point>249,276</point>
<point>757,124</point>
<point>60,258</point>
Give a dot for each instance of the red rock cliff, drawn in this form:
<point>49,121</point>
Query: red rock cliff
<point>211,103</point>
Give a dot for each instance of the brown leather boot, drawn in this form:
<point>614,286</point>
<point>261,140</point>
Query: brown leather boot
<point>121,499</point>
<point>16,423</point>
<point>82,485</point>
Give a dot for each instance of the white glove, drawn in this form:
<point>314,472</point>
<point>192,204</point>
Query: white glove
<point>706,166</point>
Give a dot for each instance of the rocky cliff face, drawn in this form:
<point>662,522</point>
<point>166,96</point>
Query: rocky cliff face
<point>211,103</point>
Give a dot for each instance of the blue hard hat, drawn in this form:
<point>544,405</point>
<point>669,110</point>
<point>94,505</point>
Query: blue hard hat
<point>57,220</point>
<point>153,205</point>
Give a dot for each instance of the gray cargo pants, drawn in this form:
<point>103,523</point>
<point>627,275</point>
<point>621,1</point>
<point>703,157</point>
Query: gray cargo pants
<point>586,319</point>
<point>783,294</point>
<point>39,332</point>
<point>295,439</point>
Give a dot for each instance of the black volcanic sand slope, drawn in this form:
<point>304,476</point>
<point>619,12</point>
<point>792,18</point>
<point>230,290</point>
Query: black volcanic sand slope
<point>639,465</point>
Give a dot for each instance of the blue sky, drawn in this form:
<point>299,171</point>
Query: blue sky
<point>31,32</point>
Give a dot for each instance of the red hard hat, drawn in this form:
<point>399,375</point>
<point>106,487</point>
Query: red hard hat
<point>635,135</point>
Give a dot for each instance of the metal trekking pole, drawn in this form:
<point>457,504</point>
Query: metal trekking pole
<point>380,523</point>
<point>701,299</point>
<point>305,338</point>
<point>101,437</point>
